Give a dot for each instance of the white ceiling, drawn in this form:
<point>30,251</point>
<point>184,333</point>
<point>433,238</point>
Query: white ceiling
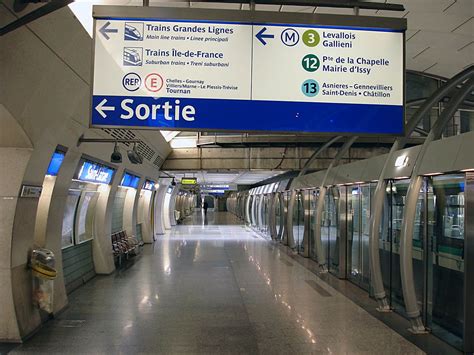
<point>440,36</point>
<point>235,177</point>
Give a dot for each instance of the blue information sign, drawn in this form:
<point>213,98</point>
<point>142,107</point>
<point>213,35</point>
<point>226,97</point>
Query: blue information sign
<point>55,163</point>
<point>149,185</point>
<point>130,180</point>
<point>247,76</point>
<point>95,172</point>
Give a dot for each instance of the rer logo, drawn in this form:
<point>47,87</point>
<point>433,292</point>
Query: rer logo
<point>133,56</point>
<point>132,81</point>
<point>290,37</point>
<point>133,31</point>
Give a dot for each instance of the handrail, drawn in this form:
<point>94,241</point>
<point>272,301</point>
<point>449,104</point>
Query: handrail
<point>317,153</point>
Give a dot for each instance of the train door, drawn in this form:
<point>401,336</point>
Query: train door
<point>398,190</point>
<point>359,200</point>
<point>329,229</point>
<point>298,221</point>
<point>445,273</point>
<point>279,215</point>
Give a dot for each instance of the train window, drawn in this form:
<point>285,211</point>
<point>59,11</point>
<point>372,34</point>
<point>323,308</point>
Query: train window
<point>446,259</point>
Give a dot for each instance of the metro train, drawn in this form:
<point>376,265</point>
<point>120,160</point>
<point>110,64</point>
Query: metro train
<point>286,211</point>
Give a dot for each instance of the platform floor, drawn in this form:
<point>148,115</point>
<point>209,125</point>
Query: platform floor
<point>213,286</point>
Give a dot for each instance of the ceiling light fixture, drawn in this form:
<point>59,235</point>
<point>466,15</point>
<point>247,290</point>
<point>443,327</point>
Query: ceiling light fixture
<point>116,156</point>
<point>134,156</point>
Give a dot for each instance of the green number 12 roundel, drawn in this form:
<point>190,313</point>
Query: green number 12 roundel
<point>310,62</point>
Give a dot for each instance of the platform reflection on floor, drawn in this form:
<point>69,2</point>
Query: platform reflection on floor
<point>213,286</point>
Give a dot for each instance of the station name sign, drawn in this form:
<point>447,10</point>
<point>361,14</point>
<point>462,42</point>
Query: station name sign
<point>188,181</point>
<point>187,69</point>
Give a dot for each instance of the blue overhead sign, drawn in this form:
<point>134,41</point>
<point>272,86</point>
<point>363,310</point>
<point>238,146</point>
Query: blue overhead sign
<point>247,76</point>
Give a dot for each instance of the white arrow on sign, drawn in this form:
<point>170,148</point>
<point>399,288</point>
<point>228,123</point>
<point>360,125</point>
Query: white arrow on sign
<point>100,108</point>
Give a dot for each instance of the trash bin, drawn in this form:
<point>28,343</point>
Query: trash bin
<point>42,264</point>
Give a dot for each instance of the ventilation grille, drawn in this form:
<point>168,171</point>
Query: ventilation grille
<point>120,134</point>
<point>143,149</point>
<point>158,161</point>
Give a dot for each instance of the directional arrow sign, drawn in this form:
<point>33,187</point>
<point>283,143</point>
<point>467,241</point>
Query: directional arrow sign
<point>173,69</point>
<point>105,30</point>
<point>261,36</point>
<point>100,108</point>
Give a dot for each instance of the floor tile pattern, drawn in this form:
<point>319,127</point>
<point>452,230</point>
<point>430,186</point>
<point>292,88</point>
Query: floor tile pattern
<point>211,286</point>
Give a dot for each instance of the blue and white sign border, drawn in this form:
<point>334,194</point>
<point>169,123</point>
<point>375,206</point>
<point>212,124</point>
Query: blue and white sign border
<point>368,23</point>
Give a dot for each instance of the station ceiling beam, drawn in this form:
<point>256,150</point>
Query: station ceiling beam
<point>347,4</point>
<point>54,5</point>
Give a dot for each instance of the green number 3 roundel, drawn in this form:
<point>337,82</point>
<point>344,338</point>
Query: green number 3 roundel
<point>310,62</point>
<point>311,38</point>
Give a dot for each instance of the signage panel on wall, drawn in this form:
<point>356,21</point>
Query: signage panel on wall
<point>218,186</point>
<point>55,163</point>
<point>149,185</point>
<point>95,172</point>
<point>130,180</point>
<point>188,181</point>
<point>250,74</point>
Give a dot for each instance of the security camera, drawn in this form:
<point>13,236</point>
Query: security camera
<point>133,156</point>
<point>116,156</point>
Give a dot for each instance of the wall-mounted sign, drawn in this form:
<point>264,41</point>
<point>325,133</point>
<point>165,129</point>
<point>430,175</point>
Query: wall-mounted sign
<point>55,163</point>
<point>214,191</point>
<point>216,186</point>
<point>149,185</point>
<point>130,180</point>
<point>188,181</point>
<point>95,172</point>
<point>31,191</point>
<point>247,71</point>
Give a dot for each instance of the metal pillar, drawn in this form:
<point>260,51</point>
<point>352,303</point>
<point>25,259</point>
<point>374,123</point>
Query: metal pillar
<point>284,238</point>
<point>406,237</point>
<point>272,216</point>
<point>306,198</point>
<point>320,205</point>
<point>317,153</point>
<point>289,220</point>
<point>172,205</point>
<point>379,195</point>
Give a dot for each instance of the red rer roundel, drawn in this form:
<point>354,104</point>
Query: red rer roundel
<point>154,82</point>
